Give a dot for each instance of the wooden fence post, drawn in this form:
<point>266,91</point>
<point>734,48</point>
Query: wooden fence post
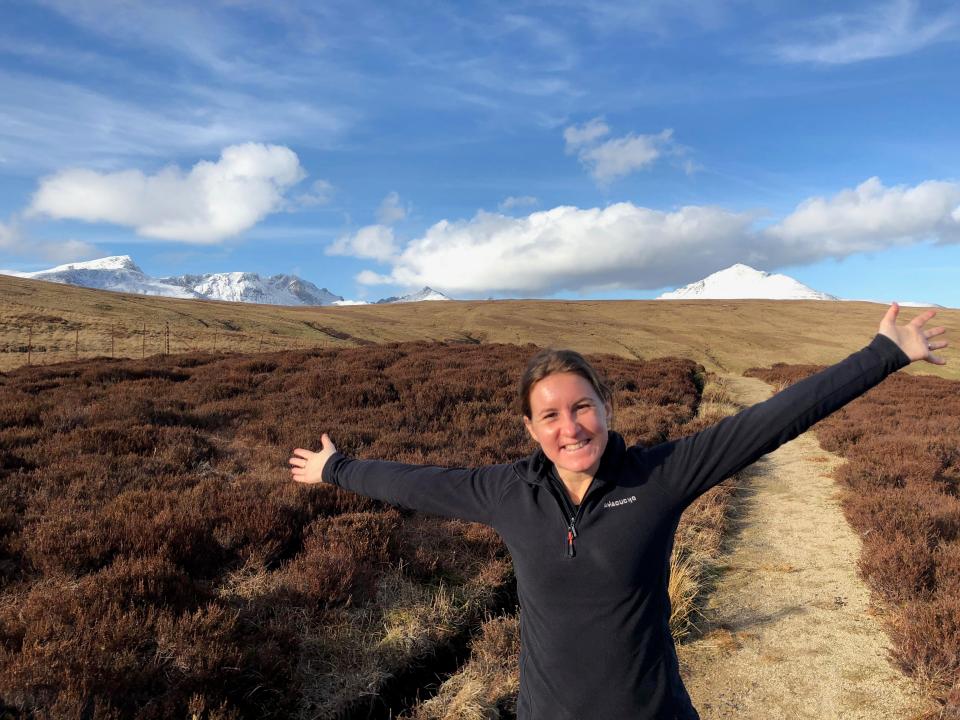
<point>30,347</point>
<point>76,343</point>
<point>168,339</point>
<point>214,342</point>
<point>143,347</point>
<point>112,340</point>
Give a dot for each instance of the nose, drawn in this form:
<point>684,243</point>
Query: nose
<point>569,424</point>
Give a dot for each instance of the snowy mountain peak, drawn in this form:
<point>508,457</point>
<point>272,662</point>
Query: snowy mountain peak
<point>427,293</point>
<point>114,262</point>
<point>744,282</point>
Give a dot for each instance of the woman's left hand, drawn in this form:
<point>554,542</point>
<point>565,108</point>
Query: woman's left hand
<point>912,338</point>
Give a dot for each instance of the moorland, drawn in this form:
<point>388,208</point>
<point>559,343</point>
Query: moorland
<point>155,559</point>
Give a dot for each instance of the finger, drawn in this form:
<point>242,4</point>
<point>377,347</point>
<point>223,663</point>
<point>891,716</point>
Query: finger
<point>305,454</point>
<point>297,462</point>
<point>921,319</point>
<point>891,314</point>
<point>938,345</point>
<point>327,442</point>
<point>935,331</point>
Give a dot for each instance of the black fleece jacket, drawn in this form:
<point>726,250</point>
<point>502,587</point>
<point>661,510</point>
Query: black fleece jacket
<point>595,637</point>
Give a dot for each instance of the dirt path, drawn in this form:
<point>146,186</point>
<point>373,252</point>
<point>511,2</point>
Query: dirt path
<point>788,630</point>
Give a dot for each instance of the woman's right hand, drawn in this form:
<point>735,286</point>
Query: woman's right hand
<point>306,466</point>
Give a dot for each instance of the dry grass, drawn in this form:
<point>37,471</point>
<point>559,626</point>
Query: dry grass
<point>154,554</point>
<point>726,336</point>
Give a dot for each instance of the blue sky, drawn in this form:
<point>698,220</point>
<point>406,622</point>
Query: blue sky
<point>522,149</point>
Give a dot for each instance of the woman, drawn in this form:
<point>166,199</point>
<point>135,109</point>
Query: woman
<point>590,522</point>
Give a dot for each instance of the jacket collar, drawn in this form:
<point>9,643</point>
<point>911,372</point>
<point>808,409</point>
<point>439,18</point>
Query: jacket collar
<point>539,466</point>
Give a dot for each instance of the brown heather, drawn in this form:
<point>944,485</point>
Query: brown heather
<point>156,561</point>
<point>902,481</point>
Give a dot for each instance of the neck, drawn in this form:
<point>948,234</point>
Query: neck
<point>576,484</point>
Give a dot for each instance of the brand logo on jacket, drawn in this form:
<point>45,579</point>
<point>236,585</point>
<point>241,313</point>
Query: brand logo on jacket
<point>618,503</point>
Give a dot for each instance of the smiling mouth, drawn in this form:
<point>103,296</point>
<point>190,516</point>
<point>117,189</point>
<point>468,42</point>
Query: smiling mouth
<point>576,446</point>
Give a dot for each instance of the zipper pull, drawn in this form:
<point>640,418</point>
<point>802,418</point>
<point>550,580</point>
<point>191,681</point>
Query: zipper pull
<point>571,534</point>
<point>573,526</point>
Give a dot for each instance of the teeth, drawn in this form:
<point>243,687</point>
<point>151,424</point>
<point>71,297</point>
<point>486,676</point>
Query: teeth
<point>579,445</point>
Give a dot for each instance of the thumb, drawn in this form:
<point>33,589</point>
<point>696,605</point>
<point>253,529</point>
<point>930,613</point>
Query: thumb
<point>891,315</point>
<point>326,443</point>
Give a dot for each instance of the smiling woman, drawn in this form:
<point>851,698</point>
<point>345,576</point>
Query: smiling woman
<point>595,610</point>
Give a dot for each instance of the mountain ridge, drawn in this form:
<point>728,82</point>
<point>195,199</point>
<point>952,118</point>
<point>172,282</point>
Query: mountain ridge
<point>120,273</point>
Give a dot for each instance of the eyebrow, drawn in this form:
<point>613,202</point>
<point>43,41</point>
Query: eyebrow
<point>575,402</point>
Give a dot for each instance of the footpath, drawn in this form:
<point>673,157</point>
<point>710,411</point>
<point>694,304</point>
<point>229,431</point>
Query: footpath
<point>788,631</point>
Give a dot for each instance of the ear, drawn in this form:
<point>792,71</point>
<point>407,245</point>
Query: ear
<point>528,424</point>
<point>608,408</point>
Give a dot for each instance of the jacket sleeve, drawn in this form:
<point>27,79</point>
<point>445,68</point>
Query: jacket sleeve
<point>471,494</point>
<point>690,466</point>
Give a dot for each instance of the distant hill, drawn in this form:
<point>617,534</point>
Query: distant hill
<point>63,322</point>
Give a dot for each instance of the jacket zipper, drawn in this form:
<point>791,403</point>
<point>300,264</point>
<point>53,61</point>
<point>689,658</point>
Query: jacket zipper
<point>569,516</point>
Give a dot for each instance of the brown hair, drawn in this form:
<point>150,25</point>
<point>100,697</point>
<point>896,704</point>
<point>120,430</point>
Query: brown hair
<point>548,362</point>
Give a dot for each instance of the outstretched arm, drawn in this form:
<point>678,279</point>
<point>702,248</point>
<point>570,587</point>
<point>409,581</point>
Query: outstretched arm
<point>471,494</point>
<point>690,466</point>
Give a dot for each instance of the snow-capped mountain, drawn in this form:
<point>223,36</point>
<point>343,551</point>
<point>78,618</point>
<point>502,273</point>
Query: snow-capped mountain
<point>426,294</point>
<point>120,273</point>
<point>251,288</point>
<point>744,282</point>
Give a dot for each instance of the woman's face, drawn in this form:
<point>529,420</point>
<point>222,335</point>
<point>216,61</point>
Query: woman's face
<point>569,421</point>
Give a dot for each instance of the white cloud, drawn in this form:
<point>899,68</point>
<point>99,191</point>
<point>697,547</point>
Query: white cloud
<point>626,246</point>
<point>586,134</point>
<point>513,201</point>
<point>869,217</point>
<point>9,236</point>
<point>877,32</point>
<point>390,210</point>
<point>621,156</point>
<point>616,157</point>
<point>368,277</point>
<point>321,192</point>
<point>373,241</point>
<point>213,201</point>
<point>68,251</point>
<point>566,248</point>
<point>14,241</point>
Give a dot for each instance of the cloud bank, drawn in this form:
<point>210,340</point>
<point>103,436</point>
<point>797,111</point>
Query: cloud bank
<point>624,246</point>
<point>211,202</point>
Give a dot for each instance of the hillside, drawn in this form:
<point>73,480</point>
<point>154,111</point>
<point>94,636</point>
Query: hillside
<point>723,335</point>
